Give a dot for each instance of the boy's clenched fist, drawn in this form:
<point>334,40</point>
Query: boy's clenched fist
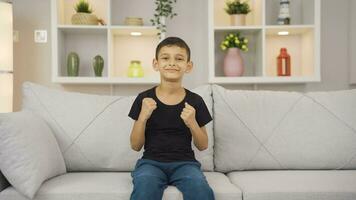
<point>188,115</point>
<point>148,106</point>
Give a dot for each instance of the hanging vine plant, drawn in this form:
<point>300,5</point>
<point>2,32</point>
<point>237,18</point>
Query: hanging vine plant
<point>163,11</point>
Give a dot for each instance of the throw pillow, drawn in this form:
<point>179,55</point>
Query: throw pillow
<point>29,153</point>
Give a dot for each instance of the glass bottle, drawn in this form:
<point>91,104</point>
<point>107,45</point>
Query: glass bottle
<point>283,63</point>
<point>135,69</point>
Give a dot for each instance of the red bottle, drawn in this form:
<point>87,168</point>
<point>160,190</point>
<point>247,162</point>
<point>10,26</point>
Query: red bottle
<point>283,63</point>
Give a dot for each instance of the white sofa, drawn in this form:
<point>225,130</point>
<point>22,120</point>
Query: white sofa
<point>263,145</point>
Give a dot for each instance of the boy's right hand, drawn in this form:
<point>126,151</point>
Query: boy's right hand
<point>148,106</point>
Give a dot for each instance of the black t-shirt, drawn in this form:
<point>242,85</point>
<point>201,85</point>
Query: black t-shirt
<point>167,138</point>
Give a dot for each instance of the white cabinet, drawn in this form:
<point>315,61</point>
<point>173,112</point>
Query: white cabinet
<point>261,29</point>
<point>112,41</point>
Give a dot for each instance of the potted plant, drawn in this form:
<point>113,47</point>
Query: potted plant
<point>233,62</point>
<point>237,11</point>
<point>84,14</point>
<point>164,10</point>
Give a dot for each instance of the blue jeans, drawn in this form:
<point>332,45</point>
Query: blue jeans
<point>150,178</point>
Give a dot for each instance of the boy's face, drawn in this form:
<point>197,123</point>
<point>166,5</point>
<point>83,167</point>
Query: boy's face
<point>172,63</point>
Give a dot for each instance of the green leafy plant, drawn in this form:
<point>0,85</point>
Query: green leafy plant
<point>234,40</point>
<point>164,8</point>
<point>83,7</point>
<point>234,7</point>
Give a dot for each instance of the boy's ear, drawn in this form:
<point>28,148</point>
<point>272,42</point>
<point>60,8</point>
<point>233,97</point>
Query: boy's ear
<point>189,67</point>
<point>155,64</point>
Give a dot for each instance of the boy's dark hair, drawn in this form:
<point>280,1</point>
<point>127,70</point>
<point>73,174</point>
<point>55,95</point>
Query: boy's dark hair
<point>173,41</point>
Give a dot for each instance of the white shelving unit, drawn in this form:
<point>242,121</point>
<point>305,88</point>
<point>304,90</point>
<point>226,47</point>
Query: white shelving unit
<point>112,41</point>
<point>261,29</point>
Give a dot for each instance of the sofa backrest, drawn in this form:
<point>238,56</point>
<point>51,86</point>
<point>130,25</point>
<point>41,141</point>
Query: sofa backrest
<point>284,130</point>
<point>93,131</point>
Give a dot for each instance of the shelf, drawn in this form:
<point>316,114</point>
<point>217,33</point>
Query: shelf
<point>262,31</point>
<point>302,12</point>
<point>115,44</point>
<point>252,65</point>
<point>105,80</point>
<point>249,80</point>
<point>70,29</point>
<point>127,30</point>
<point>74,27</point>
<point>217,28</point>
<point>112,41</point>
<point>221,18</point>
<point>73,40</point>
<point>300,46</point>
<point>293,30</point>
<point>131,9</point>
<point>124,48</point>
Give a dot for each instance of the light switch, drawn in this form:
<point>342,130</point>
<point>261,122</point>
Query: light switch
<point>16,36</point>
<point>40,36</point>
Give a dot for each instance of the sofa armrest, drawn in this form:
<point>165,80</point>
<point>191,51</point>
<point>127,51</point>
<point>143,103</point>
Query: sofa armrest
<point>3,182</point>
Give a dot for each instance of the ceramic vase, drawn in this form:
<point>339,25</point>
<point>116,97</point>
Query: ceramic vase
<point>73,64</point>
<point>233,63</point>
<point>98,65</point>
<point>238,20</point>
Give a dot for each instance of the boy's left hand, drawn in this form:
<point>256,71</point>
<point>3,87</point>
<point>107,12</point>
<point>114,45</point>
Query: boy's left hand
<point>188,115</point>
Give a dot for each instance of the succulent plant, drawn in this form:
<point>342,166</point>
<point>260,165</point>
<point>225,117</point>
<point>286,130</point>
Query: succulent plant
<point>237,7</point>
<point>83,7</point>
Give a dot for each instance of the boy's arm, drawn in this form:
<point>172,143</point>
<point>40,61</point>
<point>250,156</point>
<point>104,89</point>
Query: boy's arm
<point>137,138</point>
<point>200,137</point>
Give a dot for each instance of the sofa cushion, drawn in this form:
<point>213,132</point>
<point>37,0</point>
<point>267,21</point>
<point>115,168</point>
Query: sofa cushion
<point>296,184</point>
<point>284,130</point>
<point>113,186</point>
<point>29,153</point>
<point>93,131</point>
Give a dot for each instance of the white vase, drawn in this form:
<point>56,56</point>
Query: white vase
<point>162,20</point>
<point>238,20</point>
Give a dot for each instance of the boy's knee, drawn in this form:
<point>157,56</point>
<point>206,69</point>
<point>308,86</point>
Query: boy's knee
<point>199,188</point>
<point>200,185</point>
<point>147,188</point>
<point>147,181</point>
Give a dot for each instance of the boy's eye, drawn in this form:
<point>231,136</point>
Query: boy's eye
<point>180,59</point>
<point>164,58</point>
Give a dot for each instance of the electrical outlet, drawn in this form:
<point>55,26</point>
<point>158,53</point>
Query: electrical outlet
<point>40,36</point>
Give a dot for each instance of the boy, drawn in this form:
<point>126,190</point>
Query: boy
<point>167,117</point>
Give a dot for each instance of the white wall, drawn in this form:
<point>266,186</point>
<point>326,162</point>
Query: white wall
<point>33,61</point>
<point>352,44</point>
<point>334,46</point>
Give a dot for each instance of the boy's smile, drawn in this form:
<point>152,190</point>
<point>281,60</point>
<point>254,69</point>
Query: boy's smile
<point>172,63</point>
